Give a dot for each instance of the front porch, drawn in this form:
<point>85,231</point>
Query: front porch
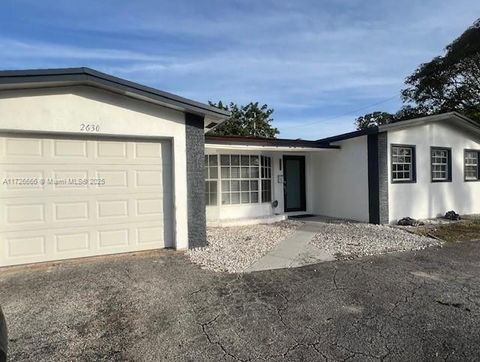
<point>255,183</point>
<point>249,178</point>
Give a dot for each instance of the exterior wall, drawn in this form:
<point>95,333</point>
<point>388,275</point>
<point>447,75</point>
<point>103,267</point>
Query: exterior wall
<point>340,179</point>
<point>246,211</point>
<point>425,199</point>
<point>195,144</point>
<point>63,110</point>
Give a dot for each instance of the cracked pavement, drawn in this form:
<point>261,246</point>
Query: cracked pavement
<point>422,305</point>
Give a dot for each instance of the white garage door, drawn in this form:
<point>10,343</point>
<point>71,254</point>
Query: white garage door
<point>66,198</point>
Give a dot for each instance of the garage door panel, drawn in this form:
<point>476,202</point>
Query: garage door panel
<point>19,150</point>
<point>64,219</point>
<point>23,147</point>
<point>152,235</point>
<point>113,178</point>
<point>34,246</point>
<point>113,238</point>
<point>149,150</point>
<point>71,211</point>
<point>70,148</point>
<point>24,213</point>
<point>111,150</point>
<point>26,246</point>
<point>72,242</point>
<point>113,208</point>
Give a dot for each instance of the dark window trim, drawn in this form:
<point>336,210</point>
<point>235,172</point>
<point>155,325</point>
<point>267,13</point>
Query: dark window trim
<point>478,165</point>
<point>449,159</point>
<point>414,164</point>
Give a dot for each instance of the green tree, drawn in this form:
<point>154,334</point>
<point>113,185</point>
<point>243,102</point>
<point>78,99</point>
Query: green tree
<point>248,120</point>
<point>410,112</point>
<point>373,119</point>
<point>450,82</point>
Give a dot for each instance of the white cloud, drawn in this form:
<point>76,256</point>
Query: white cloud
<point>310,60</point>
<point>15,49</point>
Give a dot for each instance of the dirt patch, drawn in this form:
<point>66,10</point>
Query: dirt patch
<point>463,230</point>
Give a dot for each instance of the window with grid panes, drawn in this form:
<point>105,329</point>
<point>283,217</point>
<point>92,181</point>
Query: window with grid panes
<point>266,176</point>
<point>403,163</point>
<point>440,164</point>
<point>240,179</point>
<point>472,170</point>
<point>211,180</point>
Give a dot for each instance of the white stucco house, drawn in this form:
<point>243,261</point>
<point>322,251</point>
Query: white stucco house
<point>420,168</point>
<point>92,164</point>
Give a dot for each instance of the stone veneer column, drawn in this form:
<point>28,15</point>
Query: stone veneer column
<point>195,148</point>
<point>378,178</point>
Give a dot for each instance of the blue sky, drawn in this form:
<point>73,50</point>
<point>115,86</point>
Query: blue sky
<point>319,64</point>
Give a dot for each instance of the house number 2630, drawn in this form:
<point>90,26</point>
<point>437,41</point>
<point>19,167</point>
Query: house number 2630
<point>87,127</point>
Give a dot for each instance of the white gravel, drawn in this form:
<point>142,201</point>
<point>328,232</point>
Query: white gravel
<point>233,249</point>
<point>349,240</point>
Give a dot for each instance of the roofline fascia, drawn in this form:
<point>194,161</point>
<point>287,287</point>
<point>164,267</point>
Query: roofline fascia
<point>402,124</point>
<point>75,76</point>
<point>350,135</point>
<point>433,118</point>
<point>282,142</point>
<point>270,148</point>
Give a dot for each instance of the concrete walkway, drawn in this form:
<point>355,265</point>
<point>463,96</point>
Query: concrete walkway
<point>295,251</point>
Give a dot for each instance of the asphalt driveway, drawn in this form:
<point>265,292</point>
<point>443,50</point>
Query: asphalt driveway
<point>421,305</point>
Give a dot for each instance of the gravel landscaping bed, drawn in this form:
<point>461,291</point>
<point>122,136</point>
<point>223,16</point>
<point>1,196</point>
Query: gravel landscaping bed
<point>350,240</point>
<point>233,249</point>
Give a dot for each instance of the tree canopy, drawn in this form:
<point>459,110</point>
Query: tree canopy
<point>373,119</point>
<point>247,120</point>
<point>450,82</point>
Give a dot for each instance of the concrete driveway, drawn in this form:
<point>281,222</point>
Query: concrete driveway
<point>411,306</point>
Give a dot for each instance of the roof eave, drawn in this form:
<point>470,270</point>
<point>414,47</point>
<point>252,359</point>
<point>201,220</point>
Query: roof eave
<point>467,122</point>
<point>264,142</point>
<point>267,148</point>
<point>350,135</point>
<point>86,76</point>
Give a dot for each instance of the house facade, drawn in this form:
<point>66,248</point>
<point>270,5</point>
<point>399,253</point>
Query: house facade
<point>419,168</point>
<point>92,164</point>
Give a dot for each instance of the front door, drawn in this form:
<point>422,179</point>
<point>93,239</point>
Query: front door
<point>294,183</point>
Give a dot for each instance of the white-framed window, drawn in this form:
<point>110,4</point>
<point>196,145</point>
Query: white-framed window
<point>472,171</point>
<point>239,179</point>
<point>211,180</point>
<point>403,163</point>
<point>266,175</point>
<point>441,164</point>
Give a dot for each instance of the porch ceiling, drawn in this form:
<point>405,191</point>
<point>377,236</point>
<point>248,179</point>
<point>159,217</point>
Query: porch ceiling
<point>265,144</point>
<point>267,148</point>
